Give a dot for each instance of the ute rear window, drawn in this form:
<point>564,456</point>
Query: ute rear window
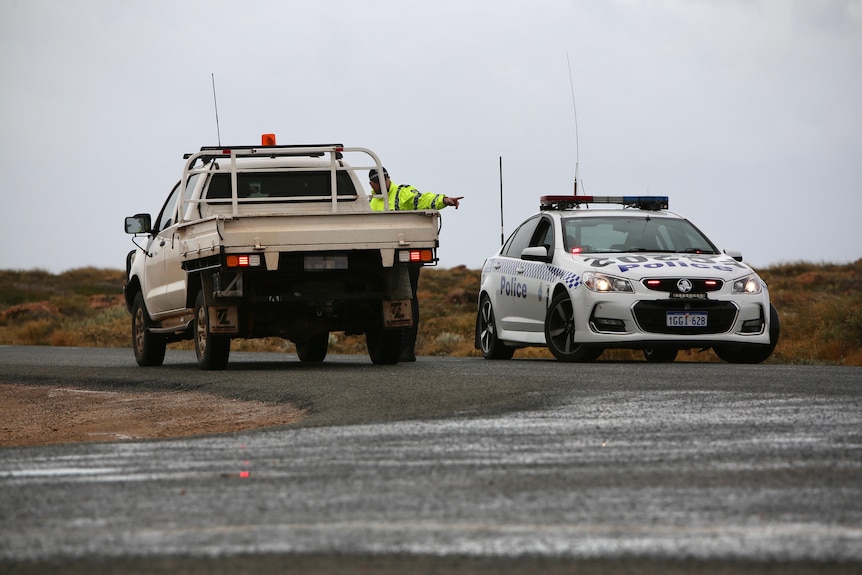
<point>281,185</point>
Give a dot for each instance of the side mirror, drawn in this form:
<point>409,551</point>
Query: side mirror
<point>737,255</point>
<point>536,254</point>
<point>139,224</point>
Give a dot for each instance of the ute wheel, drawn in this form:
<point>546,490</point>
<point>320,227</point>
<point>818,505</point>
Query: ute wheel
<point>492,348</point>
<point>560,332</point>
<point>314,349</point>
<point>212,350</point>
<point>752,353</point>
<point>384,345</point>
<point>660,354</point>
<point>149,347</point>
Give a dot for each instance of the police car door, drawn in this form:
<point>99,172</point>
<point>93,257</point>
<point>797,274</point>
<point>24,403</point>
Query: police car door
<point>513,283</point>
<point>534,265</point>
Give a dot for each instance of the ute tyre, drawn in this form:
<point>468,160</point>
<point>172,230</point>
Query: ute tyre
<point>384,345</point>
<point>314,350</point>
<point>149,347</point>
<point>753,353</point>
<point>660,354</point>
<point>212,350</point>
<point>486,328</point>
<point>560,332</point>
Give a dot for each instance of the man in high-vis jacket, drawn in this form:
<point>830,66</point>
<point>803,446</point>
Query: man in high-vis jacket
<point>408,198</point>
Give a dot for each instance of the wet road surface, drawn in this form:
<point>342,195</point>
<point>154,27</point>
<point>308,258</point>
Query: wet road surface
<point>535,465</point>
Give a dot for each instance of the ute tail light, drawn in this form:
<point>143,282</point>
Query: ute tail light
<point>242,261</point>
<point>420,256</point>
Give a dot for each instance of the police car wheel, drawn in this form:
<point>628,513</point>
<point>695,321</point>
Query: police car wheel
<point>660,355</point>
<point>752,353</point>
<point>492,348</point>
<point>560,332</point>
<point>211,350</point>
<point>742,353</point>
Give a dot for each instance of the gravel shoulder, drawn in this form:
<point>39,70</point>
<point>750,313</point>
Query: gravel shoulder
<point>41,415</point>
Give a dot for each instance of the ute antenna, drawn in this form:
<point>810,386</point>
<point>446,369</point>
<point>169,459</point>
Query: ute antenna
<point>215,103</point>
<point>575,110</point>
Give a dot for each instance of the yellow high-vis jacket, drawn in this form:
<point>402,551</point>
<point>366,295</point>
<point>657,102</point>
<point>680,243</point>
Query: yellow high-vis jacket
<point>408,198</point>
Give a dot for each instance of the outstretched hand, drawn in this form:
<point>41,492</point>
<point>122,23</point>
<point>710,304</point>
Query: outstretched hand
<point>450,201</point>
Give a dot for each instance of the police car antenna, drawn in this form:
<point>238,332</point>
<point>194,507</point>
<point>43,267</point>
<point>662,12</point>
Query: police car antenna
<point>575,110</point>
<point>502,228</point>
<point>215,103</point>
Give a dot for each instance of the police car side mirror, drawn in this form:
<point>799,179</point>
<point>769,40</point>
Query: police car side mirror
<point>536,254</point>
<point>737,255</point>
<point>139,224</point>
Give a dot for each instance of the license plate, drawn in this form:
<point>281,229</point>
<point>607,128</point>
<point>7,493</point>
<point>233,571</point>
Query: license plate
<point>686,318</point>
<point>322,263</point>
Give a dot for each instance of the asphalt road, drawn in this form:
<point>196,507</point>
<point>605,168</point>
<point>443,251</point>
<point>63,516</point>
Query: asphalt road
<point>452,465</point>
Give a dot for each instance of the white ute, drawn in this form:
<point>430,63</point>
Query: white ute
<point>273,240</point>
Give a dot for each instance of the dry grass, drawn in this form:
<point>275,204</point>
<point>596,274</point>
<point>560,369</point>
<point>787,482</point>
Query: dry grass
<point>820,306</point>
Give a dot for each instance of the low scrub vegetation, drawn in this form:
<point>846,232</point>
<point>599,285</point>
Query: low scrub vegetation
<point>820,306</point>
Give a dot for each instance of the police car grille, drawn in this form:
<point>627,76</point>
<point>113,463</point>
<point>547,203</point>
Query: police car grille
<point>670,284</point>
<point>651,316</point>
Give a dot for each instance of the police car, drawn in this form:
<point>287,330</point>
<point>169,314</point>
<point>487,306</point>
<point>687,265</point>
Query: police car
<point>582,276</point>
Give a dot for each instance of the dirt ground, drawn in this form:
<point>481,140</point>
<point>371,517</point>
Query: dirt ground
<point>36,415</point>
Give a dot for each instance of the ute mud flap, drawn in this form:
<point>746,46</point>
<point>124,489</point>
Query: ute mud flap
<point>397,313</point>
<point>223,319</point>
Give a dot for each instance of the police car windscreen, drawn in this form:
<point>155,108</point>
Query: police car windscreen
<point>624,234</point>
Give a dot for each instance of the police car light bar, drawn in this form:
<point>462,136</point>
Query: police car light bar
<point>639,202</point>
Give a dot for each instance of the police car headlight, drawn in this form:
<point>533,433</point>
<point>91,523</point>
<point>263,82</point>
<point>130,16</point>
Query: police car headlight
<point>604,283</point>
<point>750,284</point>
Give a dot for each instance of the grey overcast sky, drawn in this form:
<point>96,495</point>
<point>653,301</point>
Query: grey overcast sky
<point>746,113</point>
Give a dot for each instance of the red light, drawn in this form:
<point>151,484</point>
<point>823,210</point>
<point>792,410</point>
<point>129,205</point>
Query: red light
<point>267,139</point>
<point>420,256</point>
<point>226,152</point>
<point>238,261</point>
<point>577,250</point>
<point>711,282</point>
<point>653,282</point>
